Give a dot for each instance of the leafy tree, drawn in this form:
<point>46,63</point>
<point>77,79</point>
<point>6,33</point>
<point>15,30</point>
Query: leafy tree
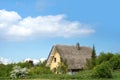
<point>104,57</point>
<point>102,71</point>
<point>115,62</point>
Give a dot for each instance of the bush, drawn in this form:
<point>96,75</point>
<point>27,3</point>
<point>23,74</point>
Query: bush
<point>18,72</point>
<point>39,70</point>
<point>115,62</point>
<point>89,64</point>
<point>62,67</point>
<point>5,70</point>
<point>104,57</point>
<point>102,71</point>
<point>25,64</point>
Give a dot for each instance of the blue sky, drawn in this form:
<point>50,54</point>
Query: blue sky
<point>29,28</point>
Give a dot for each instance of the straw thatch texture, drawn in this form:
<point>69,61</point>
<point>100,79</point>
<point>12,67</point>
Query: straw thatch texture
<point>75,58</point>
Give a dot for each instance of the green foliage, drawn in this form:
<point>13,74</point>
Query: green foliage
<point>25,64</point>
<point>18,72</point>
<point>115,62</point>
<point>104,57</point>
<point>2,68</point>
<point>62,67</point>
<point>116,74</point>
<point>37,70</point>
<point>102,71</point>
<point>91,63</point>
<point>5,69</point>
<point>105,62</point>
<point>82,75</point>
<point>85,74</point>
<point>113,59</point>
<point>93,54</point>
<point>42,64</point>
<point>40,69</point>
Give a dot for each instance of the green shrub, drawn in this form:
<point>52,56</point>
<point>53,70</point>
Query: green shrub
<point>115,62</point>
<point>89,64</point>
<point>104,57</point>
<point>62,67</point>
<point>18,72</point>
<point>5,70</point>
<point>39,70</point>
<point>25,64</point>
<point>102,71</point>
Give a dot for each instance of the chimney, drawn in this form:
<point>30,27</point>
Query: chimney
<point>78,46</point>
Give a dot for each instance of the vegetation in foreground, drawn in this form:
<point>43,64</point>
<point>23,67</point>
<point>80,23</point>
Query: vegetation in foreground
<point>105,67</point>
<point>83,75</point>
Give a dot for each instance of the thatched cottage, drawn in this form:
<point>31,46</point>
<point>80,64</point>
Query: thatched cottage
<point>75,57</point>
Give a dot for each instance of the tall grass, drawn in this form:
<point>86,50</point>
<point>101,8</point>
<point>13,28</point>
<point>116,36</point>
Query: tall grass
<point>82,75</point>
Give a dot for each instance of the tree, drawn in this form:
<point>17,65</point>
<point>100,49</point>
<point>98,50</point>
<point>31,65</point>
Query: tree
<point>115,62</point>
<point>93,56</point>
<point>103,57</point>
<point>91,63</point>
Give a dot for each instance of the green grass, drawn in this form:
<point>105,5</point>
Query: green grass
<point>83,75</point>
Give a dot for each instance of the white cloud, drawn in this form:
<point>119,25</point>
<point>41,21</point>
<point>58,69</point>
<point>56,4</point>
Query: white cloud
<point>35,61</point>
<point>5,61</point>
<point>14,27</point>
<point>8,18</point>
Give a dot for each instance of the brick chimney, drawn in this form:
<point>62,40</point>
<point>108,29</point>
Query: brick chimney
<point>78,46</point>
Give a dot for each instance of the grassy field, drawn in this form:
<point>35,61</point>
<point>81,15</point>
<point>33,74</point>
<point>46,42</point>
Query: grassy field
<point>83,75</point>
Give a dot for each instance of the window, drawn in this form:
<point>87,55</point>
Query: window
<point>54,59</point>
<point>61,59</point>
<point>54,69</point>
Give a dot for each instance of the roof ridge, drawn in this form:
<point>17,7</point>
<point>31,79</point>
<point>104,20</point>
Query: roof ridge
<point>70,45</point>
<point>63,45</point>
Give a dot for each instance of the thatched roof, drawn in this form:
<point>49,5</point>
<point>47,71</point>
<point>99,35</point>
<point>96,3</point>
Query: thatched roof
<point>76,58</point>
